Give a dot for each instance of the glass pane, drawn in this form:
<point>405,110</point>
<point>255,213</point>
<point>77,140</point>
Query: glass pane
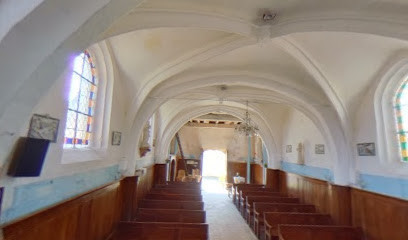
<point>78,63</point>
<point>404,96</point>
<point>82,122</point>
<point>87,73</point>
<point>74,91</point>
<point>71,120</point>
<point>84,97</point>
<point>404,117</point>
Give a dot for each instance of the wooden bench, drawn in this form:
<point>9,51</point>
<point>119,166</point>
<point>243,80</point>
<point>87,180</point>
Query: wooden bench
<point>243,194</point>
<point>189,191</point>
<point>162,231</point>
<point>273,219</point>
<point>171,204</point>
<point>251,199</point>
<point>261,207</point>
<point>170,215</point>
<point>251,189</point>
<point>177,197</point>
<point>180,186</point>
<point>304,232</point>
<point>238,187</point>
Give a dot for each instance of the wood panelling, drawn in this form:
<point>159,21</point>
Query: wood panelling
<point>91,216</point>
<point>256,173</point>
<point>160,173</point>
<point>272,179</point>
<point>328,198</point>
<point>380,217</point>
<point>235,167</point>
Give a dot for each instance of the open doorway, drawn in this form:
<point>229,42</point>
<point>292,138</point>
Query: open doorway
<point>214,171</point>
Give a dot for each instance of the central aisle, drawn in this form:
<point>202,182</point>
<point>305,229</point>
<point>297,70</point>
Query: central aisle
<point>225,222</point>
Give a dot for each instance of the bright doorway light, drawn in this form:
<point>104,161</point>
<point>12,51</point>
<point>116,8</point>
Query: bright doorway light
<point>214,163</point>
<point>214,171</point>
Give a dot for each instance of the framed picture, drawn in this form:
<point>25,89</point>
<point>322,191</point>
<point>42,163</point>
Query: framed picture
<point>288,148</point>
<point>116,138</point>
<point>366,149</point>
<point>319,149</point>
<point>43,127</point>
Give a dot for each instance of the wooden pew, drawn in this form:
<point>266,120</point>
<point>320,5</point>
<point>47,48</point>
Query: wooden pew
<point>171,204</point>
<point>180,186</point>
<point>261,207</point>
<point>251,199</point>
<point>162,231</point>
<point>170,215</point>
<point>177,197</point>
<point>243,194</point>
<point>189,191</point>
<point>273,219</point>
<point>251,189</point>
<point>304,232</point>
<point>238,187</point>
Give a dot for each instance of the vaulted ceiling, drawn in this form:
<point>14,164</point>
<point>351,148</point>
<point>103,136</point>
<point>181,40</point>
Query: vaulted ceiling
<point>319,57</point>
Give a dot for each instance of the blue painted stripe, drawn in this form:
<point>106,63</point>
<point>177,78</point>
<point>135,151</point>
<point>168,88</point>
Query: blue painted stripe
<point>39,195</point>
<point>395,187</point>
<point>309,171</point>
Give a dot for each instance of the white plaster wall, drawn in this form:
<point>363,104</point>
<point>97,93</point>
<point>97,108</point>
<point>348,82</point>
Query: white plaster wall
<point>55,105</point>
<point>194,140</point>
<point>299,128</point>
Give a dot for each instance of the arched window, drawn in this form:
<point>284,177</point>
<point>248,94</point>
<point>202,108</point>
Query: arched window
<point>401,115</point>
<point>81,103</point>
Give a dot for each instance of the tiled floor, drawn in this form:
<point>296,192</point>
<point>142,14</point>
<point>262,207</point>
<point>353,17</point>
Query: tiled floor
<point>224,220</point>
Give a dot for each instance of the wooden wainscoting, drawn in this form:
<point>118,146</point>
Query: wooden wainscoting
<point>91,216</point>
<point>272,179</point>
<point>135,189</point>
<point>160,173</point>
<point>380,217</point>
<point>328,198</point>
<point>256,173</point>
<point>236,167</point>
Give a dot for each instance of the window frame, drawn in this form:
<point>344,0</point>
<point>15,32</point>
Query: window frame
<point>93,81</point>
<point>388,147</point>
<point>97,149</point>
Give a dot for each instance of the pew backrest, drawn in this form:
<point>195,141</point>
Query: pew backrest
<point>273,219</point>
<point>170,215</point>
<point>189,191</point>
<point>163,231</point>
<point>251,199</point>
<point>261,207</point>
<point>171,204</point>
<point>304,232</point>
<point>177,197</point>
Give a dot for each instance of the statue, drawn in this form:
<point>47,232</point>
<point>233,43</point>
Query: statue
<point>145,143</point>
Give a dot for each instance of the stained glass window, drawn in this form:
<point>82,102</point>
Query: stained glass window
<point>401,114</point>
<point>81,102</point>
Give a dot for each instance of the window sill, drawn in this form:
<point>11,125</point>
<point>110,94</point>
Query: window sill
<point>76,155</point>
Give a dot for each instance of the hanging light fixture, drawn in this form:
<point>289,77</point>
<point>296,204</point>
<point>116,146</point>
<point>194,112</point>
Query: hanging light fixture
<point>246,127</point>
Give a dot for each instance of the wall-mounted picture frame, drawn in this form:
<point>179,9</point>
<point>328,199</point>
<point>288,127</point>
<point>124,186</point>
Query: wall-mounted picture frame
<point>116,138</point>
<point>366,149</point>
<point>288,148</point>
<point>43,127</point>
<point>319,149</point>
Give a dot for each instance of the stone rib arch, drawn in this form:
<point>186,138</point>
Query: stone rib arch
<point>182,117</point>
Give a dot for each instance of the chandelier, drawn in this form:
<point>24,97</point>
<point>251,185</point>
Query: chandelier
<point>246,127</point>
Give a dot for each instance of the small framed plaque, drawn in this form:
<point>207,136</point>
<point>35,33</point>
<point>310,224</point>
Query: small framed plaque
<point>43,127</point>
<point>288,148</point>
<point>319,149</point>
<point>116,138</point>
